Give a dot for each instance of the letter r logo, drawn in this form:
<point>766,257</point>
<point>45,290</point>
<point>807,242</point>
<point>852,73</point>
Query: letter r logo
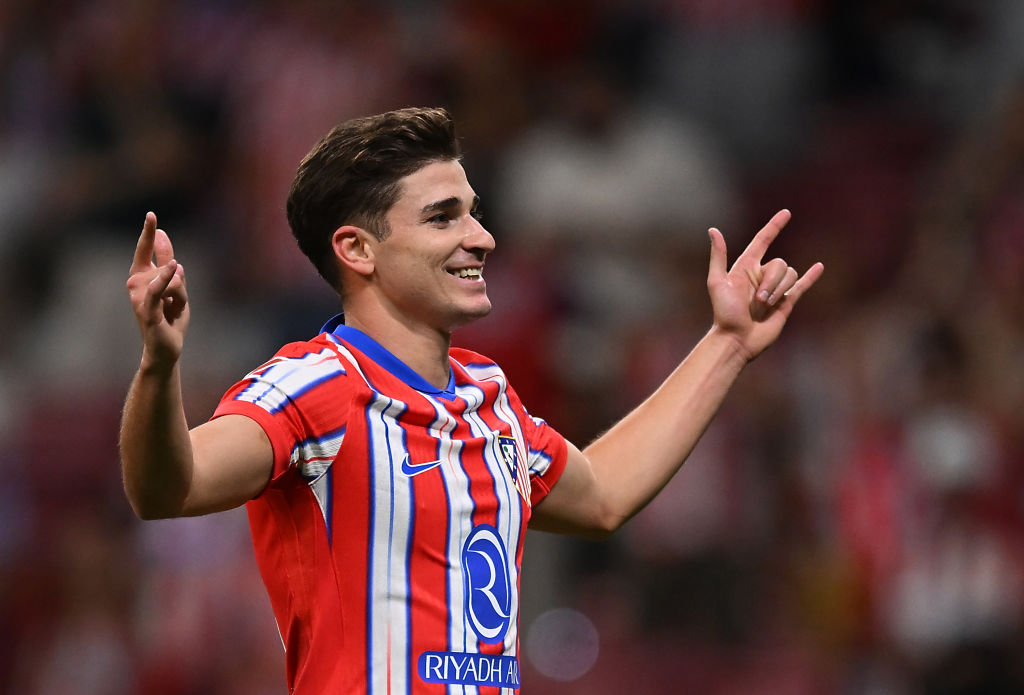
<point>487,583</point>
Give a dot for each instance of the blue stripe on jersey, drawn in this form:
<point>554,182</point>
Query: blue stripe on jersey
<point>452,615</point>
<point>447,545</point>
<point>317,449</point>
<point>389,410</point>
<point>247,394</point>
<point>410,534</point>
<point>479,365</point>
<point>391,522</point>
<point>539,456</point>
<point>371,544</point>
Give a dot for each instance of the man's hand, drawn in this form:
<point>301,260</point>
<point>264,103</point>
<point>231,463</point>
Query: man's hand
<point>751,301</point>
<point>158,297</point>
<point>622,470</point>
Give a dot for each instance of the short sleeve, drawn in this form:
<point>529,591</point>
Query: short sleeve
<point>297,398</point>
<point>546,456</point>
<point>546,450</point>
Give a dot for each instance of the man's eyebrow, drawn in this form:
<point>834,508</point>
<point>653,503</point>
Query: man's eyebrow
<point>448,204</point>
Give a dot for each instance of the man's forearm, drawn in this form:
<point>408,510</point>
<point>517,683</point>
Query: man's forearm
<point>636,458</point>
<point>156,450</point>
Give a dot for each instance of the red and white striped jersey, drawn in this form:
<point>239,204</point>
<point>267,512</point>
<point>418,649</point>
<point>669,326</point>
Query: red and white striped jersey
<point>390,536</point>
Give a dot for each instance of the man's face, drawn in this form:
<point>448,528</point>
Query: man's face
<point>430,267</point>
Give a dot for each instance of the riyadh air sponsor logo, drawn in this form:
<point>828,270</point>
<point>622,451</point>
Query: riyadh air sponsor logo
<point>411,469</point>
<point>458,668</point>
<point>488,584</point>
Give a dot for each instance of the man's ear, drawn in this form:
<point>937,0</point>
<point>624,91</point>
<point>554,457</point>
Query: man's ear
<point>353,249</point>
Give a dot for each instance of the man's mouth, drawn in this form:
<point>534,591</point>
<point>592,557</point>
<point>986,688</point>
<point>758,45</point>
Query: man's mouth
<point>467,273</point>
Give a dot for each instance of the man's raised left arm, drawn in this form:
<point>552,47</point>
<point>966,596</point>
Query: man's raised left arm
<point>615,476</point>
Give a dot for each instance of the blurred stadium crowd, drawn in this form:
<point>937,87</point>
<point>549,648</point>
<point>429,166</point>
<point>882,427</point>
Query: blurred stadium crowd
<point>852,523</point>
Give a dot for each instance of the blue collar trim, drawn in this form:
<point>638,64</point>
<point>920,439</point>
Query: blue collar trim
<point>379,354</point>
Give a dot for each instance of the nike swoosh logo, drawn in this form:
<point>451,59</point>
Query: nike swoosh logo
<point>411,469</point>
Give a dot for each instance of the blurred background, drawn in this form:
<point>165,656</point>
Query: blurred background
<point>853,521</point>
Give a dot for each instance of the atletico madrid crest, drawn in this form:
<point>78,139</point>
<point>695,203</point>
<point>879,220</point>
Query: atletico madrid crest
<point>516,465</point>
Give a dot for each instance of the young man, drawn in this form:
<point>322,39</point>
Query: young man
<point>390,478</point>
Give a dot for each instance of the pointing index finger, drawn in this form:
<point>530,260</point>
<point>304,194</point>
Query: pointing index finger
<point>763,239</point>
<point>144,248</point>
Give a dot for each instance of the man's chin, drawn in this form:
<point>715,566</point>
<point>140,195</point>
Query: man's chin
<point>471,315</point>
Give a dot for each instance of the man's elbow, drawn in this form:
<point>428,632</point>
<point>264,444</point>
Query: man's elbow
<point>601,523</point>
<point>150,506</point>
<point>592,524</point>
<point>607,524</point>
<point>152,511</point>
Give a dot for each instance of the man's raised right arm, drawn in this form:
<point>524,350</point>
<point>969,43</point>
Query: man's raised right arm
<point>169,470</point>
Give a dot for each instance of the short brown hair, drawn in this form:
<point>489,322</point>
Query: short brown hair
<point>351,176</point>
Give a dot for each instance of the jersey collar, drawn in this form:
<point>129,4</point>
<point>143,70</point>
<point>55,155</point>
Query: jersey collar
<point>379,354</point>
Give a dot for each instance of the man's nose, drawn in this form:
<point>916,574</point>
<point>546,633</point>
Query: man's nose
<point>477,237</point>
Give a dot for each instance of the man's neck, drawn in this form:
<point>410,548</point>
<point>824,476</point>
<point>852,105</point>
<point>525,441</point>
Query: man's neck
<point>424,350</point>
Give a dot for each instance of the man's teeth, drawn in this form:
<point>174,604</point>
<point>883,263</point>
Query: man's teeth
<point>467,273</point>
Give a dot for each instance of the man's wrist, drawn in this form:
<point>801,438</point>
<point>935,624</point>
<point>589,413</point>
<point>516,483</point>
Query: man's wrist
<point>157,367</point>
<point>731,346</point>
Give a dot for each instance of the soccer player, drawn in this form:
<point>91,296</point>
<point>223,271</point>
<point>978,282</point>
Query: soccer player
<point>390,478</point>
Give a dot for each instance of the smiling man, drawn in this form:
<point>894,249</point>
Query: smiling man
<point>389,477</point>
